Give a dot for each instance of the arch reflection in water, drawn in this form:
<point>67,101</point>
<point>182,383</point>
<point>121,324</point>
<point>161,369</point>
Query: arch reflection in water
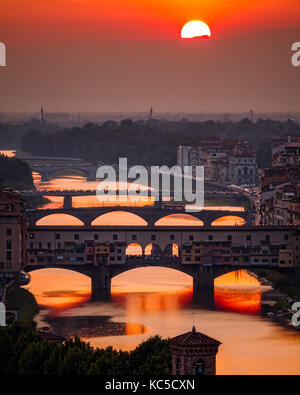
<point>179,220</point>
<point>59,289</point>
<point>60,220</point>
<point>229,221</point>
<point>238,292</point>
<point>119,218</point>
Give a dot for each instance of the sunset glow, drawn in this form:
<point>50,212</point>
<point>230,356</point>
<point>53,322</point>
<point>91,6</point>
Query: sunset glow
<point>195,29</point>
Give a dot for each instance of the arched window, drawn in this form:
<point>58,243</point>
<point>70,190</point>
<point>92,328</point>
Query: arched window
<point>199,368</point>
<point>178,367</point>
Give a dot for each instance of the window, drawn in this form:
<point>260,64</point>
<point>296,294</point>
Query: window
<point>229,238</point>
<point>96,237</point>
<point>9,266</point>
<point>31,236</point>
<point>115,237</point>
<point>286,237</point>
<point>8,232</point>
<point>57,236</point>
<point>1,265</point>
<point>76,237</point>
<point>268,238</point>
<point>9,256</point>
<point>40,245</point>
<point>178,367</point>
<point>134,237</point>
<point>172,237</point>
<point>90,257</point>
<point>191,238</point>
<point>199,368</point>
<point>249,237</point>
<point>153,237</point>
<point>49,246</point>
<point>210,238</point>
<point>8,244</point>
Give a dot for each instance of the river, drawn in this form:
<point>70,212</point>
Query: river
<point>153,301</point>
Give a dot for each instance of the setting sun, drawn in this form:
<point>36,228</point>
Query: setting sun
<point>195,29</point>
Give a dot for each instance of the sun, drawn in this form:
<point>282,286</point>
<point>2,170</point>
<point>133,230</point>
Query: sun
<point>195,29</point>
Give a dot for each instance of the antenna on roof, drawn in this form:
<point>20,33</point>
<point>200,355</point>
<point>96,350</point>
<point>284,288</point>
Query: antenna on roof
<point>42,114</point>
<point>251,115</point>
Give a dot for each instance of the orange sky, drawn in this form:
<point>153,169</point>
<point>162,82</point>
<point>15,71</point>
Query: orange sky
<point>127,55</point>
<point>136,19</point>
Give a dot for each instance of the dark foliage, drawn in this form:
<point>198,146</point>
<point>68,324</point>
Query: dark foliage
<point>150,143</point>
<point>15,173</point>
<point>24,352</point>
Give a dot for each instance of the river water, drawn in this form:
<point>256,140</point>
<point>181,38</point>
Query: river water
<point>153,301</point>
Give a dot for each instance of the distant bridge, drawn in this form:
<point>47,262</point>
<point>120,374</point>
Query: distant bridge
<point>149,214</point>
<point>47,172</point>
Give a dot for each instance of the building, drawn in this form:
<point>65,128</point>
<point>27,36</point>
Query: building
<point>207,253</point>
<point>225,161</point>
<point>280,184</point>
<point>286,151</point>
<point>13,233</point>
<point>194,353</point>
<point>80,251</point>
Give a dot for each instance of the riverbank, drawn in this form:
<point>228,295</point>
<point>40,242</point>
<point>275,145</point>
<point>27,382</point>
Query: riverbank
<point>91,326</point>
<point>281,298</point>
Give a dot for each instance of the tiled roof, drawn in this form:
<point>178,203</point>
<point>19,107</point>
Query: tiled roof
<point>194,339</point>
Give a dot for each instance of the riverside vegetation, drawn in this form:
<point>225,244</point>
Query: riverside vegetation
<point>23,351</point>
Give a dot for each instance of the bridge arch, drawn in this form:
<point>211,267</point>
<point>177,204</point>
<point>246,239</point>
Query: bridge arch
<point>153,249</point>
<point>228,220</point>
<point>178,220</point>
<point>59,220</point>
<point>134,249</point>
<point>173,250</point>
<point>119,218</point>
<point>142,266</point>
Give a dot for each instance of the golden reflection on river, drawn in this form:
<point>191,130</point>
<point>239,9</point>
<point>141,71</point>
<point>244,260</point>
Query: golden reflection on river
<point>152,301</point>
<point>159,301</point>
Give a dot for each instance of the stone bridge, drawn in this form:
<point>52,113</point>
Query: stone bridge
<point>47,172</point>
<point>101,276</point>
<point>149,214</point>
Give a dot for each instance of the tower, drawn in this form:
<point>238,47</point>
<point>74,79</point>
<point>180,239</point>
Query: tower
<point>194,353</point>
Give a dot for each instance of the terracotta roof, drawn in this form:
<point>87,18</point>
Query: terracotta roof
<point>194,339</point>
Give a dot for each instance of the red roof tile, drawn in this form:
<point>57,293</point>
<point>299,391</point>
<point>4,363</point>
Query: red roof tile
<point>194,339</point>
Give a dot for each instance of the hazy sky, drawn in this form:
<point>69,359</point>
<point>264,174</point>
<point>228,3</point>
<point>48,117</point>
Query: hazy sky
<point>125,55</point>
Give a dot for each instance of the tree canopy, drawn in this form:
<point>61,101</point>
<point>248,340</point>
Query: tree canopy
<point>23,351</point>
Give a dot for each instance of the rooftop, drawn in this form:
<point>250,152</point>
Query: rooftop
<point>194,338</point>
